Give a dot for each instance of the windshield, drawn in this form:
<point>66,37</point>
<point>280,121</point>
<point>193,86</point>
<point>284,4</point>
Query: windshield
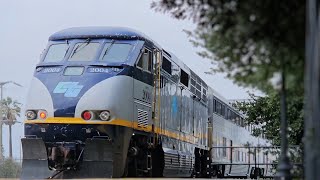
<point>56,52</point>
<point>115,52</point>
<point>85,51</point>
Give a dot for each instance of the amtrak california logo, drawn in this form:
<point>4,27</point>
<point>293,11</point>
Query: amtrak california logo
<point>69,89</point>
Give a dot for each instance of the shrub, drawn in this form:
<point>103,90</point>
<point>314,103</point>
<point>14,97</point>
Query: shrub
<point>9,169</point>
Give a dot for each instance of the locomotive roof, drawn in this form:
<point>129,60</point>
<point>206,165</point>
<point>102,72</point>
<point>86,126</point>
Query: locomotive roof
<point>100,32</point>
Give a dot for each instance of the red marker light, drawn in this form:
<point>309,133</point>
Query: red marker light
<point>86,115</point>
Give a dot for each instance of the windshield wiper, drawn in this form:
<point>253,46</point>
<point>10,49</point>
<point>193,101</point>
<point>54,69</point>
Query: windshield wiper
<point>105,52</point>
<point>65,53</point>
<point>77,49</point>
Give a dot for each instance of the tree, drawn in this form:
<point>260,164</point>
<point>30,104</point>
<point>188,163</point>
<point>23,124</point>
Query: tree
<point>249,40</point>
<point>10,110</point>
<point>265,112</point>
<point>9,169</point>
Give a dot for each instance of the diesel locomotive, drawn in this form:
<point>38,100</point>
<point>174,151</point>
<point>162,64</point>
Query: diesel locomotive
<point>110,102</point>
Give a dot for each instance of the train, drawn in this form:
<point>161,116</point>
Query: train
<point>110,102</point>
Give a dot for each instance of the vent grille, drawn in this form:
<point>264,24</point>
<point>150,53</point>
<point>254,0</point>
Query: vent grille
<point>142,118</point>
<point>176,161</point>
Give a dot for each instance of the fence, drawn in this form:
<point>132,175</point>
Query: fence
<point>245,161</point>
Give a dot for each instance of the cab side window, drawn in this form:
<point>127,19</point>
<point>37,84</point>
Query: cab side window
<point>145,61</point>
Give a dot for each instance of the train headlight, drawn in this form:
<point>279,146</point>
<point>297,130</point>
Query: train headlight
<point>31,115</point>
<point>87,115</point>
<point>42,114</point>
<point>104,115</point>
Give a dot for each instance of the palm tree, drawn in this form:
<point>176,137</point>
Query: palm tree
<point>10,110</point>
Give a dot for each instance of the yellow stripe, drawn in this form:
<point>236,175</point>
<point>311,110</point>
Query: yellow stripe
<point>66,120</point>
<point>120,122</point>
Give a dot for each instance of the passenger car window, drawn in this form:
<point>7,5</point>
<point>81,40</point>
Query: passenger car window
<point>223,110</point>
<point>229,114</point>
<point>84,51</point>
<point>115,52</point>
<point>224,144</point>
<point>218,107</point>
<point>56,52</point>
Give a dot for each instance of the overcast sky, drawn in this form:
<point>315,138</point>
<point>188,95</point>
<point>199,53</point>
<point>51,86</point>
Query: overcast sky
<point>26,25</point>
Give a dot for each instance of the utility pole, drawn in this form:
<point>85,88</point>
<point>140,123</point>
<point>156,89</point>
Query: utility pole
<point>284,166</point>
<point>312,92</point>
<point>1,120</point>
<point>279,83</point>
<point>2,84</point>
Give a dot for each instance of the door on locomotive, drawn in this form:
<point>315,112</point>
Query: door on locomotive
<point>141,154</point>
<point>143,91</point>
<point>157,59</point>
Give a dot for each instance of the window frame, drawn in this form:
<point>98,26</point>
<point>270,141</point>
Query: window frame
<point>219,107</point>
<point>193,83</point>
<point>224,144</point>
<point>223,110</point>
<point>188,78</point>
<point>69,67</point>
<point>229,114</point>
<point>94,58</point>
<point>140,57</point>
<point>66,56</point>
<point>169,60</point>
<point>100,59</point>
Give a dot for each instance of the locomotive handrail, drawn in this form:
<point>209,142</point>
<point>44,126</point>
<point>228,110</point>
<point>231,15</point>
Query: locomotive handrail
<point>102,137</point>
<point>296,164</point>
<point>31,137</point>
<point>247,147</point>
